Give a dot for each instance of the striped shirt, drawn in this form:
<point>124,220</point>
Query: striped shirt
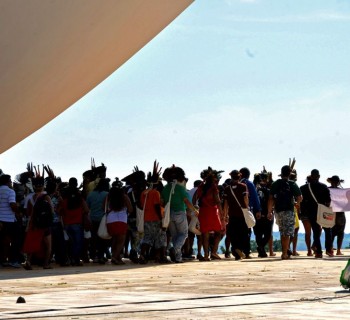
<point>7,196</point>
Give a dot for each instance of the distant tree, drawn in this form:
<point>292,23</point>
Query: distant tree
<point>277,246</point>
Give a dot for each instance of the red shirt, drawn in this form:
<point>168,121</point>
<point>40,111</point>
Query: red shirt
<point>72,216</point>
<point>153,199</point>
<point>240,190</point>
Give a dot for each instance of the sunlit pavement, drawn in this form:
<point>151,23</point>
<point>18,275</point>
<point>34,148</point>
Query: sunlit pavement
<point>271,288</point>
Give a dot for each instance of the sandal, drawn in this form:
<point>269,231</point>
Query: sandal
<point>200,257</point>
<point>142,260</point>
<point>240,254</point>
<point>27,266</point>
<point>164,261</point>
<point>117,262</point>
<point>215,256</point>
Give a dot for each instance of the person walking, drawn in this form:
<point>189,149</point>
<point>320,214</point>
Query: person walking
<point>309,207</point>
<point>264,225</point>
<point>236,198</point>
<point>210,212</point>
<point>340,220</point>
<point>119,206</point>
<point>284,195</point>
<point>254,203</point>
<point>180,200</point>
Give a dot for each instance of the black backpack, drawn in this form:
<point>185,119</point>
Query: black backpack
<point>284,196</point>
<point>42,213</point>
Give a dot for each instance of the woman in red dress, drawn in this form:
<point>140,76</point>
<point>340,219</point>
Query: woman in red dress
<point>210,211</point>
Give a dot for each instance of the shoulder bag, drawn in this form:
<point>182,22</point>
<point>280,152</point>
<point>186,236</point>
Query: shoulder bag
<point>102,231</point>
<point>248,215</point>
<point>325,215</point>
<point>140,216</point>
<point>166,218</point>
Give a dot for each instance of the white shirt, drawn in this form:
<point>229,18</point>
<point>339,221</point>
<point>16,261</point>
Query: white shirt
<point>118,216</point>
<point>7,196</point>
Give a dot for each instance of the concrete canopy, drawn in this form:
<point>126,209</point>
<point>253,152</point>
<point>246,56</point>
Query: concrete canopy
<point>53,52</point>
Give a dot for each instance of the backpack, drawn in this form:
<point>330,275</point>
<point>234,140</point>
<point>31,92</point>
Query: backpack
<point>42,213</point>
<point>284,196</point>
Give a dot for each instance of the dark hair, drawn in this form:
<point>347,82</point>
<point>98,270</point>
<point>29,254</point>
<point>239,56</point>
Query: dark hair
<point>4,179</point>
<point>72,194</point>
<point>197,183</point>
<point>285,171</point>
<point>103,185</point>
<point>51,186</point>
<point>73,182</point>
<point>174,173</point>
<point>116,198</point>
<point>38,182</point>
<point>245,172</point>
<point>24,177</point>
<point>235,175</point>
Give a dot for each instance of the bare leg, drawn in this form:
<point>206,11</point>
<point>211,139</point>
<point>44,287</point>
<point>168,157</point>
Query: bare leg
<point>285,246</point>
<point>117,247</point>
<point>307,227</point>
<point>272,254</point>
<point>295,242</point>
<point>205,243</point>
<point>199,247</point>
<point>227,246</point>
<point>47,247</point>
<point>214,252</point>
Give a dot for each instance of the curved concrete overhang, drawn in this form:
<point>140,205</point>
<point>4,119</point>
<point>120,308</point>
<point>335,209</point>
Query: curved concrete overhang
<point>53,52</point>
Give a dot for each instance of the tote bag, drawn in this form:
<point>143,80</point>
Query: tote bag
<point>249,218</point>
<point>140,220</point>
<point>140,217</point>
<point>248,215</point>
<point>325,215</point>
<point>102,231</point>
<point>166,218</point>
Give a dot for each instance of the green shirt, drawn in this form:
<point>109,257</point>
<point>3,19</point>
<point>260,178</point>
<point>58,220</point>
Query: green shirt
<point>276,193</point>
<point>177,198</point>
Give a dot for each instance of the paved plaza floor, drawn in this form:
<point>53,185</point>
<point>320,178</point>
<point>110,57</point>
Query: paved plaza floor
<point>271,288</point>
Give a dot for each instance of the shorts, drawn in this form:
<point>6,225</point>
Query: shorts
<point>117,228</point>
<point>286,223</point>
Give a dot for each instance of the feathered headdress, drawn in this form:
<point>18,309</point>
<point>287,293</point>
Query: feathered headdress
<point>137,176</point>
<point>154,177</point>
<point>293,174</point>
<point>38,179</point>
<point>207,173</point>
<point>174,173</point>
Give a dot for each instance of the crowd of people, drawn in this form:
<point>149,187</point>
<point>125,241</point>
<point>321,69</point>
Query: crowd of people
<point>45,220</point>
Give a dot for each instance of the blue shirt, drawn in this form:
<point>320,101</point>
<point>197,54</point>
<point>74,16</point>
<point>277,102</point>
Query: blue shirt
<point>95,201</point>
<point>254,202</point>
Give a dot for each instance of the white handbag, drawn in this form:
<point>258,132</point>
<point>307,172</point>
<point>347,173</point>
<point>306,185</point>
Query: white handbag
<point>325,215</point>
<point>140,217</point>
<point>166,218</point>
<point>248,215</point>
<point>102,231</point>
<point>193,225</point>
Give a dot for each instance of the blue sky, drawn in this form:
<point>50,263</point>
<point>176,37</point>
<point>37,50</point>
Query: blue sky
<point>228,84</point>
